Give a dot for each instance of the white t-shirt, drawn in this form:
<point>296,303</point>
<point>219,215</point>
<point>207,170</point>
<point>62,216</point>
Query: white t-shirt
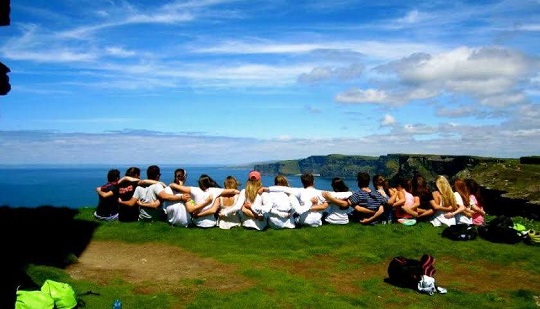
<point>199,196</point>
<point>177,213</point>
<point>282,207</point>
<point>336,214</point>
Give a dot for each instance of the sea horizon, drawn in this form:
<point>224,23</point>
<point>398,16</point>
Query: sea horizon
<point>74,186</point>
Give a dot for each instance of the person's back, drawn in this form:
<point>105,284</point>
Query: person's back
<point>125,193</point>
<point>282,206</point>
<point>107,208</point>
<point>309,199</point>
<point>368,204</point>
<point>233,219</point>
<point>149,195</point>
<point>177,214</point>
<point>337,214</point>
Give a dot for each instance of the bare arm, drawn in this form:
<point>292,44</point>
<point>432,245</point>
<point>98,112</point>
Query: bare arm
<point>180,188</point>
<point>130,202</point>
<point>154,204</point>
<point>205,203</point>
<point>104,194</point>
<point>376,214</point>
<point>329,198</point>
<point>316,206</point>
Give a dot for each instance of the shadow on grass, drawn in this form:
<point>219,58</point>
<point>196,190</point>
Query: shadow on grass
<point>45,235</point>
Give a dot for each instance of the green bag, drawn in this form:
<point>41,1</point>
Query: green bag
<point>63,294</point>
<point>34,300</point>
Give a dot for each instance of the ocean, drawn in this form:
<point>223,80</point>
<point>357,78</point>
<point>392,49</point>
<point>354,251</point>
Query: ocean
<point>75,187</point>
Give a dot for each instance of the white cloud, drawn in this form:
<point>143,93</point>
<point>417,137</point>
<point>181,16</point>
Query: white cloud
<point>363,96</point>
<point>320,74</point>
<point>388,120</point>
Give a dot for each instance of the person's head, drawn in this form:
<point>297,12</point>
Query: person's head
<point>419,185</point>
<point>405,183</point>
<point>281,180</point>
<point>363,179</point>
<point>231,183</point>
<point>253,184</point>
<point>378,181</point>
<point>446,192</point>
<point>474,189</point>
<point>113,175</point>
<point>461,187</point>
<point>180,175</point>
<point>338,185</point>
<point>206,182</point>
<point>133,172</point>
<point>307,179</point>
<point>153,172</point>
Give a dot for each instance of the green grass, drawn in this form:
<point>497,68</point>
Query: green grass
<point>325,267</point>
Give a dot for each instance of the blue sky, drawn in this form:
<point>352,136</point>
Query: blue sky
<point>232,82</point>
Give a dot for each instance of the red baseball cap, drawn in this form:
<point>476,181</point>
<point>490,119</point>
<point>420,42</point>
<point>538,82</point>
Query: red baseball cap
<point>254,175</point>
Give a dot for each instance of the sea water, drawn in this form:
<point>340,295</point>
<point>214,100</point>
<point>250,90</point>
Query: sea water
<point>75,186</point>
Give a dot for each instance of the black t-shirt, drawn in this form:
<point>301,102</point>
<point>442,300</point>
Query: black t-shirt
<point>125,192</point>
<point>108,206</point>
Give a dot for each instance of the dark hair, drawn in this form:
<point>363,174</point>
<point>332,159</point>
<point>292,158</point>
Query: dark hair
<point>378,180</point>
<point>363,179</point>
<point>405,183</point>
<point>307,179</point>
<point>153,172</point>
<point>339,185</point>
<point>206,182</point>
<point>419,185</point>
<point>182,172</point>
<point>133,172</point>
<point>113,175</point>
<point>474,189</point>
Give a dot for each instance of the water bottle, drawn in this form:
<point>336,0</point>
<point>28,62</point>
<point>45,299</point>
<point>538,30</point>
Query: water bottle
<point>117,304</point>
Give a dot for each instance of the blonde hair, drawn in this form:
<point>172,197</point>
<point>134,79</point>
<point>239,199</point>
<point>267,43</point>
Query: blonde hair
<point>280,180</point>
<point>231,183</point>
<point>252,189</point>
<point>447,194</point>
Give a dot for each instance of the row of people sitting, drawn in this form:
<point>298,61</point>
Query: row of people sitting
<point>281,206</point>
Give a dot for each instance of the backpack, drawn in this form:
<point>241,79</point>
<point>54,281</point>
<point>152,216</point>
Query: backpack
<point>460,231</point>
<point>405,272</point>
<point>53,294</point>
<point>501,230</point>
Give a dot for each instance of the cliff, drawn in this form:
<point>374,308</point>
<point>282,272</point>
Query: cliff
<point>510,186</point>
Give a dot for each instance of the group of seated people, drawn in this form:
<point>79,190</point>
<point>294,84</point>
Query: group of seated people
<point>130,198</point>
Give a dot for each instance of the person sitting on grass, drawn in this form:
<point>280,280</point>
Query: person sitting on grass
<point>223,202</point>
<point>367,204</point>
<point>282,206</point>
<point>149,198</point>
<point>338,214</point>
<point>464,212</point>
<point>443,203</point>
<point>107,208</point>
<point>476,201</point>
<point>179,213</point>
<point>206,192</point>
<point>404,204</point>
<point>422,198</point>
<point>312,203</point>
<point>249,204</point>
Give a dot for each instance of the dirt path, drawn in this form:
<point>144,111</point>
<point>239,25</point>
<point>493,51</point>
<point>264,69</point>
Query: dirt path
<point>155,268</point>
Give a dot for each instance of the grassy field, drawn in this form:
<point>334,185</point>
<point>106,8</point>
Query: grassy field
<point>326,267</point>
